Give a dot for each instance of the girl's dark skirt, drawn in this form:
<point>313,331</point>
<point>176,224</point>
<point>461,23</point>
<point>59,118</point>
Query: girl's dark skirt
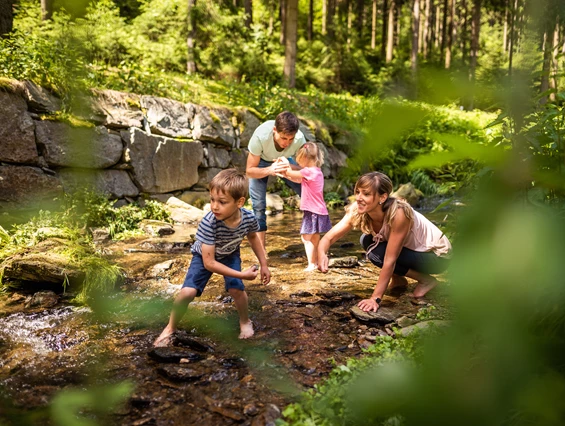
<point>313,223</point>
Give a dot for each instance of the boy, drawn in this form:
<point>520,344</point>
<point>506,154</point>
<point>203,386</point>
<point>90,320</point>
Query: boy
<point>216,249</point>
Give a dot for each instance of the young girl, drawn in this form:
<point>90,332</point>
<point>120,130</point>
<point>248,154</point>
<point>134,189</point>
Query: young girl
<point>398,239</point>
<point>316,219</point>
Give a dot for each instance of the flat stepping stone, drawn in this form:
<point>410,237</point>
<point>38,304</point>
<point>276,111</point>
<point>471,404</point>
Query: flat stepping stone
<point>174,355</point>
<point>383,316</point>
<point>343,262</point>
<point>192,343</point>
<point>180,374</point>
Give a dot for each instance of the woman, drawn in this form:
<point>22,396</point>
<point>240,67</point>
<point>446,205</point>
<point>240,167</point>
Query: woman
<point>396,238</point>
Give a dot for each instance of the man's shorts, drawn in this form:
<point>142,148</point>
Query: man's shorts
<point>198,276</point>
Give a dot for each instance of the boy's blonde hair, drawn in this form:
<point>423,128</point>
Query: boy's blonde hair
<point>232,182</point>
<point>311,151</point>
<point>377,183</point>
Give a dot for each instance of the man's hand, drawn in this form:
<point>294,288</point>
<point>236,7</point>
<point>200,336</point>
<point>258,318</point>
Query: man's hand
<point>265,275</point>
<point>323,262</point>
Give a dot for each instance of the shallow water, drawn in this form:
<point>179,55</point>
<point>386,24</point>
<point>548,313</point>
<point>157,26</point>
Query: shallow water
<point>302,322</point>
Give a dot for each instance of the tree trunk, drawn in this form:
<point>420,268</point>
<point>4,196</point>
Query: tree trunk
<point>544,83</point>
<point>384,29</point>
<point>513,17</point>
<point>390,31</point>
<point>426,32</point>
<point>444,26</point>
<point>554,62</point>
<point>290,42</point>
<point>324,16</point>
<point>449,43</point>
<point>349,19</point>
<point>46,9</point>
<point>505,31</point>
<point>360,15</point>
<point>475,44</point>
<point>248,13</point>
<point>310,29</point>
<point>283,5</point>
<point>6,17</point>
<point>463,36</point>
<point>397,14</point>
<point>374,26</point>
<point>415,37</point>
<point>190,63</point>
<point>438,28</point>
<point>271,28</point>
<point>330,12</point>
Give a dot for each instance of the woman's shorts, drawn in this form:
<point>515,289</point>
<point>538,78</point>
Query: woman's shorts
<point>313,223</point>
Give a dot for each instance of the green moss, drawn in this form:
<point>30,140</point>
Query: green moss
<point>214,117</point>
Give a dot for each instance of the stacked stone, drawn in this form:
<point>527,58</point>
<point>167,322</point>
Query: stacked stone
<point>128,146</point>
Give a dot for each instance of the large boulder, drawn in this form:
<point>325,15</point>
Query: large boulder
<point>23,184</point>
<point>247,122</point>
<point>306,130</point>
<point>206,175</point>
<point>214,125</point>
<point>115,183</point>
<point>239,159</point>
<point>182,212</point>
<point>160,164</point>
<point>409,193</point>
<point>39,99</point>
<point>335,160</point>
<point>84,147</point>
<point>168,117</point>
<point>17,138</point>
<point>215,157</point>
<point>118,109</point>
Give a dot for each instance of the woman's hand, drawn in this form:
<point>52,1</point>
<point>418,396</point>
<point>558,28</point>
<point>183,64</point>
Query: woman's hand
<point>368,305</point>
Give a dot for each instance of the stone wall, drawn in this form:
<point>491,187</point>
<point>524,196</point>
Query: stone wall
<point>127,145</point>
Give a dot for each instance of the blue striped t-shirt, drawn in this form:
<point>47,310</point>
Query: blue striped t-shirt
<point>227,240</point>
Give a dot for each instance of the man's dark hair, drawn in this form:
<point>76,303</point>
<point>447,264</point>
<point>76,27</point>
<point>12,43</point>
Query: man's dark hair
<point>286,122</point>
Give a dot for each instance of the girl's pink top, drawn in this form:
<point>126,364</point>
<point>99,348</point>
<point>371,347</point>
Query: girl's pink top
<point>423,236</point>
<point>312,198</point>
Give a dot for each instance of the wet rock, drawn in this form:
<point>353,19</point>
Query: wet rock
<point>173,355</point>
<point>180,373</point>
<point>156,227</point>
<point>182,212</point>
<point>274,202</point>
<point>42,299</point>
<point>383,316</point>
<point>268,416</point>
<point>405,321</point>
<point>408,192</point>
<point>301,294</point>
<point>233,362</point>
<point>184,340</point>
<point>160,270</point>
<point>344,262</point>
<point>423,325</point>
<point>334,298</point>
<point>347,245</point>
<point>418,301</point>
<point>100,235</point>
<point>250,410</point>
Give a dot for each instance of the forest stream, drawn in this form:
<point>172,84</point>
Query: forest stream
<point>303,326</point>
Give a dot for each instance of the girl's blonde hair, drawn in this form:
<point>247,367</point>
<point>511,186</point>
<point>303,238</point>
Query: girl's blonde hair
<point>377,183</point>
<point>310,151</point>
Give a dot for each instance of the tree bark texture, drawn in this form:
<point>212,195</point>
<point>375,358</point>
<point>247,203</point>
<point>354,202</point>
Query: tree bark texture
<point>46,9</point>
<point>291,34</point>
<point>390,31</point>
<point>449,43</point>
<point>384,29</point>
<point>415,36</point>
<point>191,27</point>
<point>475,44</point>
<point>310,29</point>
<point>6,17</point>
<point>248,5</point>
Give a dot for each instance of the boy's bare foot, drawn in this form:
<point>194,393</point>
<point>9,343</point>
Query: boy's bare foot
<point>424,286</point>
<point>398,281</point>
<point>164,340</point>
<point>246,330</point>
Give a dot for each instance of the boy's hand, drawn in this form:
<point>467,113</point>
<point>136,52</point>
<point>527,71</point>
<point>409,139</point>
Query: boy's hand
<point>265,275</point>
<point>250,273</point>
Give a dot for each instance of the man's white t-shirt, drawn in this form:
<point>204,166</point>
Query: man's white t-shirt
<point>263,145</point>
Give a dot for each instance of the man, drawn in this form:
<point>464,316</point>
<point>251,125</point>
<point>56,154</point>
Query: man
<point>270,148</point>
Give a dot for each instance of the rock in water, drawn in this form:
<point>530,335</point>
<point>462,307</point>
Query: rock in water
<point>181,374</point>
<point>383,316</point>
<point>173,355</point>
<point>344,262</point>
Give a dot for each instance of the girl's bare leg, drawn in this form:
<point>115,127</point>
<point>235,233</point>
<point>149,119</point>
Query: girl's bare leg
<point>185,296</point>
<point>245,324</point>
<point>311,242</point>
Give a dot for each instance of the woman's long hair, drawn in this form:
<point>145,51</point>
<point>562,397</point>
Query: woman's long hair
<point>377,183</point>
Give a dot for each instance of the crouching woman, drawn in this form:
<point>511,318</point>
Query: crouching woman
<point>396,238</point>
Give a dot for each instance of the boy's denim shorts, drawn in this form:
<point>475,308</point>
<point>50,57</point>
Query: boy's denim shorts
<point>198,276</point>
